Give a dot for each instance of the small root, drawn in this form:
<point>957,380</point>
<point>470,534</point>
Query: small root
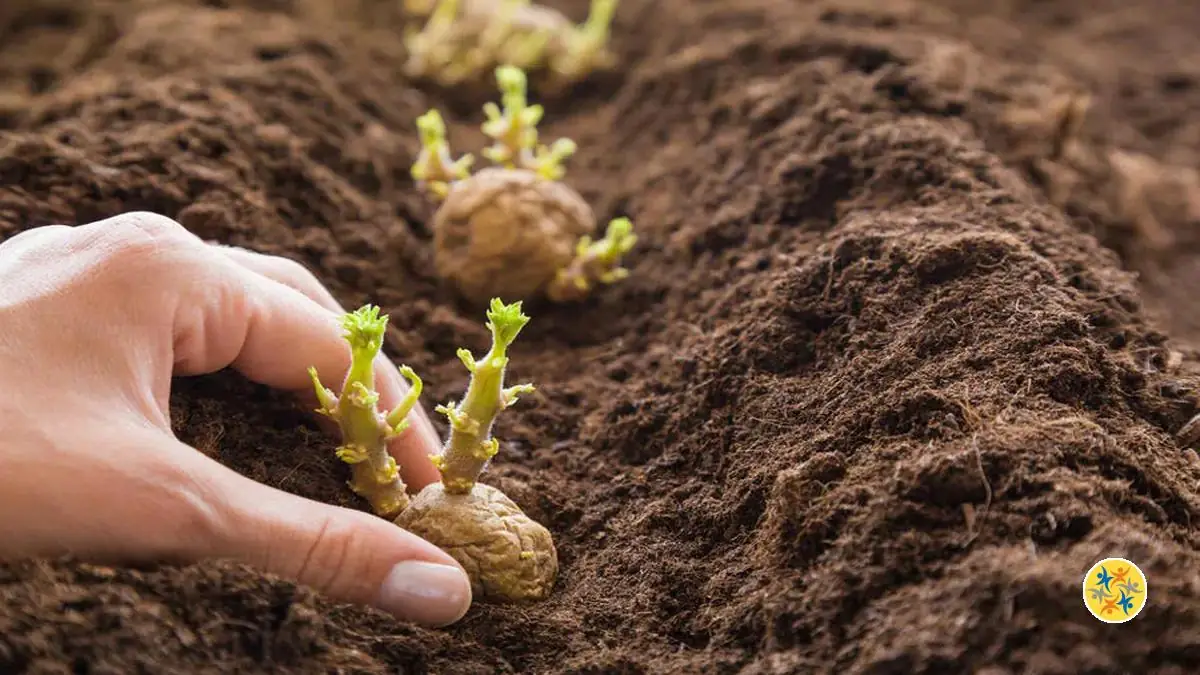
<point>969,509</point>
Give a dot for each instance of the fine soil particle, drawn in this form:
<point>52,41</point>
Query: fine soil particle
<point>891,372</point>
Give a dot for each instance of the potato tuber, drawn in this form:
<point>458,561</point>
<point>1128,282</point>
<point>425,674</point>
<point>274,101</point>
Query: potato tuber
<point>508,556</point>
<point>507,233</point>
<point>514,230</point>
<point>463,38</point>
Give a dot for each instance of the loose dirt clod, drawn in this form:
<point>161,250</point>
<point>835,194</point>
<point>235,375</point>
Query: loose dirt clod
<point>1189,434</point>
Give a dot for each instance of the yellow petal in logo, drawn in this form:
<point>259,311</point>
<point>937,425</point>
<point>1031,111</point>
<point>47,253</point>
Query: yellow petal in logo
<point>1114,590</point>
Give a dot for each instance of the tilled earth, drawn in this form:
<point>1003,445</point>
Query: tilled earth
<point>908,338</point>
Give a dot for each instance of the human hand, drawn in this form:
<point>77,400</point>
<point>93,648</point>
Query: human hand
<point>96,319</point>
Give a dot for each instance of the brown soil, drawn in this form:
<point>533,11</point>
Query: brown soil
<point>883,385</point>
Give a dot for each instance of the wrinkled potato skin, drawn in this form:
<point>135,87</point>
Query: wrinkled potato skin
<point>487,533</point>
<point>506,232</point>
<point>530,18</point>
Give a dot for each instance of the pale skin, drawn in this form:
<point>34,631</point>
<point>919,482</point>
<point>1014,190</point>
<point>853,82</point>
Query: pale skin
<point>94,322</point>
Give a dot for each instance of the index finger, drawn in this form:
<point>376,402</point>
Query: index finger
<point>272,332</point>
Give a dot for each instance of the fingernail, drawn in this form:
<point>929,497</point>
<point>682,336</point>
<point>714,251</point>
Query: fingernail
<point>426,593</point>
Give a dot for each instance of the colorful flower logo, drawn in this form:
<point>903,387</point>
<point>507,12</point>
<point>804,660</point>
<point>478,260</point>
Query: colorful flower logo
<point>1114,590</point>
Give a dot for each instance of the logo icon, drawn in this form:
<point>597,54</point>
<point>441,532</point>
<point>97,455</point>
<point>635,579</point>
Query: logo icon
<point>1114,590</point>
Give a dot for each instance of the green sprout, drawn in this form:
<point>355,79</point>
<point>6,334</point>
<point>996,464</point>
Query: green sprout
<point>594,262</point>
<point>434,48</point>
<point>435,169</point>
<point>548,161</point>
<point>365,431</point>
<point>496,33</point>
<point>507,556</point>
<point>525,49</point>
<point>514,129</point>
<point>511,230</point>
<point>471,445</point>
<point>460,39</point>
<point>585,47</point>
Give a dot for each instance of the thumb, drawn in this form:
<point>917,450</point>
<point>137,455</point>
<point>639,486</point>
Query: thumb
<point>348,555</point>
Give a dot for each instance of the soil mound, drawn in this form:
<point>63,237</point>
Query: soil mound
<point>884,382</point>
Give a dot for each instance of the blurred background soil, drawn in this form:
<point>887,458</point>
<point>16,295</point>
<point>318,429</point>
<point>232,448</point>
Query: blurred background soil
<point>910,331</point>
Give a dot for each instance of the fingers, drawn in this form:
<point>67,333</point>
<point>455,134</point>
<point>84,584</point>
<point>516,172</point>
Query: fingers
<point>319,535</point>
<point>413,447</point>
<point>176,504</point>
<point>266,330</point>
<point>20,243</point>
<point>68,493</point>
<point>267,317</point>
<point>283,270</point>
<point>348,555</point>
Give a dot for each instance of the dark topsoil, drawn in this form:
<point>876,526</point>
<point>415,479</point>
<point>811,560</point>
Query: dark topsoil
<point>891,372</point>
